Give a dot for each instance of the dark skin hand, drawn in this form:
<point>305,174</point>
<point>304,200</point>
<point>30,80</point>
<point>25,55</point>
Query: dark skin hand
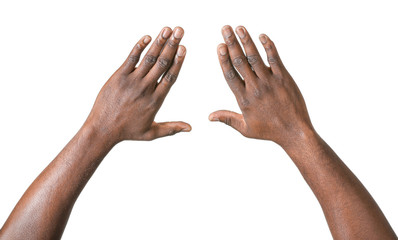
<point>124,110</point>
<point>274,109</point>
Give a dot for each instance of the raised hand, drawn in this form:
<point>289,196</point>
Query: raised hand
<point>125,109</point>
<point>127,104</point>
<point>273,108</point>
<point>271,103</point>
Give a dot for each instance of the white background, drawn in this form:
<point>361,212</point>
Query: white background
<point>211,183</point>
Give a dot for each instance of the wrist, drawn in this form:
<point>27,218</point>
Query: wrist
<point>299,139</point>
<point>98,135</point>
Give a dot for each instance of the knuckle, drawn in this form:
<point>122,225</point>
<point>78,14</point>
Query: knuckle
<point>230,75</point>
<point>172,132</point>
<point>272,60</point>
<point>253,59</point>
<point>246,41</point>
<point>163,62</point>
<point>138,47</point>
<point>257,93</point>
<point>149,136</point>
<point>238,61</point>
<point>150,60</point>
<point>244,102</point>
<point>279,79</point>
<point>178,60</point>
<point>152,104</point>
<point>172,43</point>
<point>235,88</point>
<point>134,58</point>
<point>268,46</point>
<point>230,41</point>
<point>122,81</point>
<point>224,60</point>
<point>228,121</point>
<point>160,42</point>
<point>142,94</point>
<point>170,77</point>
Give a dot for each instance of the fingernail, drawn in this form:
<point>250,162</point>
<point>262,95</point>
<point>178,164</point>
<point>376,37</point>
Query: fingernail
<point>181,51</point>
<point>222,50</point>
<point>263,38</point>
<point>227,32</point>
<point>241,32</point>
<point>212,118</point>
<point>186,129</point>
<point>147,39</point>
<point>178,33</point>
<point>166,33</point>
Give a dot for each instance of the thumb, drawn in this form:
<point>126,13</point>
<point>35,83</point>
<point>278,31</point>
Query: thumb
<point>232,119</point>
<point>163,129</point>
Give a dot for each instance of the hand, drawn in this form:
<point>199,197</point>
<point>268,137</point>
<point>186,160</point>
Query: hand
<point>271,103</point>
<point>127,104</point>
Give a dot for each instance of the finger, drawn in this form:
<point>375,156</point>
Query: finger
<point>171,75</point>
<point>153,52</point>
<point>272,54</point>
<point>134,56</point>
<point>233,79</point>
<point>238,58</point>
<point>166,57</point>
<point>253,57</point>
<point>163,129</point>
<point>232,119</point>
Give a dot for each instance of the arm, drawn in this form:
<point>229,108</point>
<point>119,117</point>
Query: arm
<point>124,110</point>
<point>274,109</point>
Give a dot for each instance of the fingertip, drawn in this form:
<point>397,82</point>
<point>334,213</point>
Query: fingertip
<point>180,28</point>
<point>229,36</point>
<point>178,32</point>
<point>166,32</point>
<point>187,128</point>
<point>212,117</point>
<point>226,27</point>
<point>263,38</point>
<point>181,51</point>
<point>146,39</point>
<point>240,26</point>
<point>227,31</point>
<point>222,49</point>
<point>221,45</point>
<point>241,31</point>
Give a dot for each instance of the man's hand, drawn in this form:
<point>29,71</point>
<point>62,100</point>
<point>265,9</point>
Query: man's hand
<point>271,103</point>
<point>273,108</point>
<point>127,104</point>
<point>125,109</point>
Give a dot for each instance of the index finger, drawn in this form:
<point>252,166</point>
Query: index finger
<point>233,79</point>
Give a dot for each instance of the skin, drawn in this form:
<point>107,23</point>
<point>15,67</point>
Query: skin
<point>274,109</point>
<point>124,110</point>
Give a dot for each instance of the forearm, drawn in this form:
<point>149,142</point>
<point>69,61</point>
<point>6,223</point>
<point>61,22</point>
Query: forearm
<point>125,109</point>
<point>44,209</point>
<point>274,109</point>
<point>350,210</point>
